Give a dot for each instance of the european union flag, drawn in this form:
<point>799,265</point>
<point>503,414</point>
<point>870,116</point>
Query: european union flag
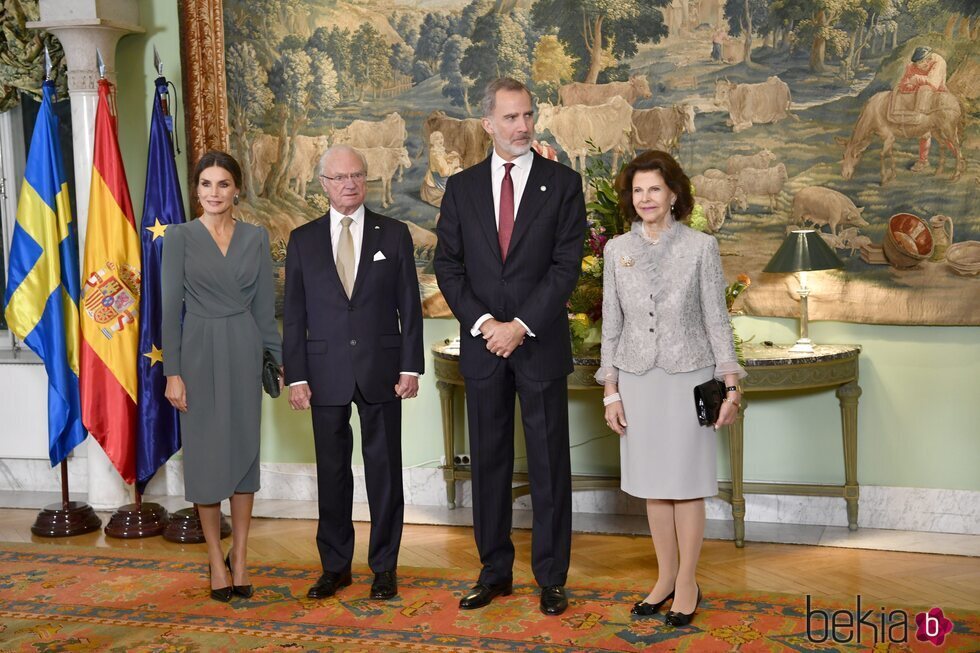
<point>158,428</point>
<point>41,303</point>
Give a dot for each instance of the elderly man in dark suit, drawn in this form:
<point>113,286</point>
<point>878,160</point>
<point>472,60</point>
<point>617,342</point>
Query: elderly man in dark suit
<point>353,334</point>
<point>510,246</point>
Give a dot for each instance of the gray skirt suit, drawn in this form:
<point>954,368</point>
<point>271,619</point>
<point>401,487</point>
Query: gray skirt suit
<point>218,316</point>
<point>665,329</point>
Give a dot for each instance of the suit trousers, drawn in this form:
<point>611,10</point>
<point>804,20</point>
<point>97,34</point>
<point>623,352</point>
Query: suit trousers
<point>544,413</point>
<point>381,448</point>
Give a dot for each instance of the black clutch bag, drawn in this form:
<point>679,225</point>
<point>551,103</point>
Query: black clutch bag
<point>270,374</point>
<point>707,401</point>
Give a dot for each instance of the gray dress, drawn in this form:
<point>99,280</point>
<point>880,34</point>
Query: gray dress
<point>229,317</point>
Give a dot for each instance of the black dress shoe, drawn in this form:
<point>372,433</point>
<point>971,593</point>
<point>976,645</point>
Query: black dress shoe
<point>328,584</point>
<point>244,591</point>
<point>483,593</point>
<point>644,609</point>
<point>553,600</point>
<point>678,619</point>
<point>222,594</point>
<point>385,586</point>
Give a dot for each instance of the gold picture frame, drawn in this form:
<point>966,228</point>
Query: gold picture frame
<point>202,55</point>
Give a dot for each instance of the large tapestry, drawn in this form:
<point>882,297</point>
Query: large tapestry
<point>837,115</point>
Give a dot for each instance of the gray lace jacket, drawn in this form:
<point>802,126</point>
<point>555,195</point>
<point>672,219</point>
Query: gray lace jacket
<point>663,305</point>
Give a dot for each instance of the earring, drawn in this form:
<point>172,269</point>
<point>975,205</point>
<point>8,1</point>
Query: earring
<point>236,200</point>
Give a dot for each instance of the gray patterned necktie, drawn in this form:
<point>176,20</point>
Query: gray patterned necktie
<point>345,256</point>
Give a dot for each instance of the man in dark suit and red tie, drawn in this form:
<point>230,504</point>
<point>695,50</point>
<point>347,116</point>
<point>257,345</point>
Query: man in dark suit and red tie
<point>509,253</point>
<point>353,334</point>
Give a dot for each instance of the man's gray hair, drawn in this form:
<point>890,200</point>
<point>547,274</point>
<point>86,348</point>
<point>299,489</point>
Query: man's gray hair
<point>489,101</point>
<point>334,149</point>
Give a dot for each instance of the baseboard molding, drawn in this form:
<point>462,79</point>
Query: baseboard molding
<point>892,508</point>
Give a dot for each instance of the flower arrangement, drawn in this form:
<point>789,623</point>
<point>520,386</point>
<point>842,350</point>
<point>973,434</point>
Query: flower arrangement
<point>604,222</point>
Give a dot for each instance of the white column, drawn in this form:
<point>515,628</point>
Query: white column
<point>83,26</point>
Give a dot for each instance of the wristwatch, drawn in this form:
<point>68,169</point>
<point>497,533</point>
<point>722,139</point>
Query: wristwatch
<point>733,388</point>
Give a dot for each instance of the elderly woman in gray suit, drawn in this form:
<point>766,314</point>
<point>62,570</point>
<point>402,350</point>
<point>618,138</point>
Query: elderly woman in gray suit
<point>665,329</point>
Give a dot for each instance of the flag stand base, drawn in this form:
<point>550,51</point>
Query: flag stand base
<point>135,520</point>
<point>185,527</point>
<point>66,519</point>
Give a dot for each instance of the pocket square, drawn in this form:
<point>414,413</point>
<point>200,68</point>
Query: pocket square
<point>379,256</point>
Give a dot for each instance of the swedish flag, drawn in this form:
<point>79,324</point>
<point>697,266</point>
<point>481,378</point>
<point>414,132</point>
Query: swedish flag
<point>41,303</point>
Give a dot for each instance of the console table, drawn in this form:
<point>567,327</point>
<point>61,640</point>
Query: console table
<point>770,368</point>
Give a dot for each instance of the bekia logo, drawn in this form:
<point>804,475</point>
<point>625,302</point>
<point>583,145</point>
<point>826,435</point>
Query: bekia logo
<point>932,627</point>
<point>846,626</point>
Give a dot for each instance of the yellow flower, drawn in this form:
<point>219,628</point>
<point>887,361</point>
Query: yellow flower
<point>588,262</point>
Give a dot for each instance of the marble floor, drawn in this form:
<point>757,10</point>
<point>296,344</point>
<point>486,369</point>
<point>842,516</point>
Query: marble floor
<point>716,529</point>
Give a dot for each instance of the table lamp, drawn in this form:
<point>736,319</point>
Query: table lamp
<point>803,251</point>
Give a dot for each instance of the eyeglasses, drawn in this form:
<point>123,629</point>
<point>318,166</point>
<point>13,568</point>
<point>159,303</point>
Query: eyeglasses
<point>340,179</point>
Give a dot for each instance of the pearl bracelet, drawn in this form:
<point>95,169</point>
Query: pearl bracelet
<point>611,399</point>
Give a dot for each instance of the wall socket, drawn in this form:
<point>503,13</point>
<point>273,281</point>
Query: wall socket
<point>461,459</point>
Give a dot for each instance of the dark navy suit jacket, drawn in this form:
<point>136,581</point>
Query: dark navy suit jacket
<point>333,342</point>
<point>543,265</point>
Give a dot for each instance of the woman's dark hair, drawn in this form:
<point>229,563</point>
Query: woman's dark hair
<point>222,160</point>
<point>673,176</point>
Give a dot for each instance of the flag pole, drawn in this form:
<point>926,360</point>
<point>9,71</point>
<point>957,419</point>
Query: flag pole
<point>69,517</point>
<point>134,520</point>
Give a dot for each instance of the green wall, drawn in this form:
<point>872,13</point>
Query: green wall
<point>134,91</point>
<point>919,411</point>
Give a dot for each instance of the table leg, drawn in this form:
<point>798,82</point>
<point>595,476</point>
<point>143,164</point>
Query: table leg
<point>446,396</point>
<point>735,435</point>
<point>848,395</point>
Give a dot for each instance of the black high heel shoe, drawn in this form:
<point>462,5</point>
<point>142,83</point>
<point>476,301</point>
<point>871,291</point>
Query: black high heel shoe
<point>678,619</point>
<point>222,594</point>
<point>644,609</point>
<point>244,591</point>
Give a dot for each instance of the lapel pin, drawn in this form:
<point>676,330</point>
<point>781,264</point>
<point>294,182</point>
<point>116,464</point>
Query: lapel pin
<point>544,188</point>
<point>627,261</point>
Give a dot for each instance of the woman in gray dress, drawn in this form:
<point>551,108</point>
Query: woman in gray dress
<point>217,274</point>
<point>665,329</point>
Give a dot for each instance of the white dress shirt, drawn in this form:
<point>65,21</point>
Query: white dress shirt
<point>357,233</point>
<point>518,174</point>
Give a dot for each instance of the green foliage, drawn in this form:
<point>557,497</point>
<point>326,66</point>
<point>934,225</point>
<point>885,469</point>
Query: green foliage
<point>603,208</point>
<point>498,50</point>
<point>588,27</point>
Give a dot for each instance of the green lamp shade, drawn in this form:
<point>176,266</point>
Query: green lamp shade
<point>803,249</point>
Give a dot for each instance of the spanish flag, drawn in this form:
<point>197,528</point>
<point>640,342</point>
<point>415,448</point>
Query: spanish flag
<point>42,287</point>
<point>110,299</point>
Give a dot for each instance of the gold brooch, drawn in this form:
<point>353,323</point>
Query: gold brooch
<point>627,261</point>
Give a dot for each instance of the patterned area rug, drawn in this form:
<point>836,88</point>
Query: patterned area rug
<point>70,598</point>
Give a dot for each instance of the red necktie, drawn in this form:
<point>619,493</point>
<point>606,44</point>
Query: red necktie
<point>505,225</point>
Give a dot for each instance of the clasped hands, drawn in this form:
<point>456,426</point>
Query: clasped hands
<point>503,337</point>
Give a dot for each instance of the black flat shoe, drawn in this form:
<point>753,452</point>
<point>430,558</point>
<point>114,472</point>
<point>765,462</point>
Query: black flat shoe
<point>328,584</point>
<point>678,619</point>
<point>385,586</point>
<point>244,591</point>
<point>644,609</point>
<point>482,594</point>
<point>553,600</point>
